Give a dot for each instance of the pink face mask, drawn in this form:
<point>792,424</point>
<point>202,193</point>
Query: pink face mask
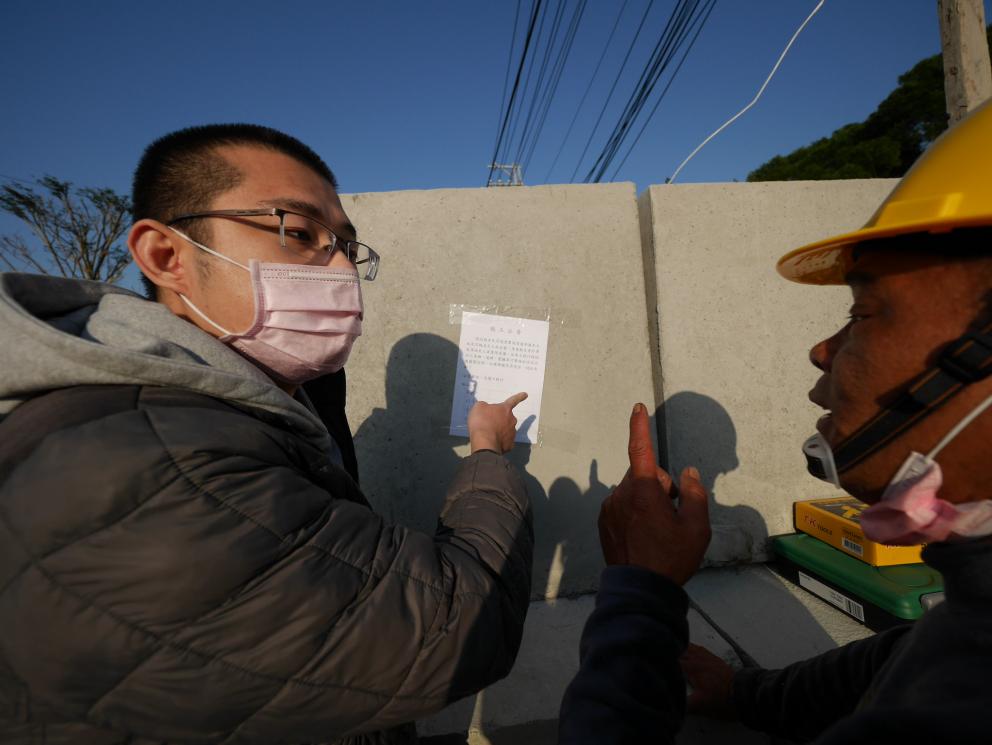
<point>306,318</point>
<point>910,512</point>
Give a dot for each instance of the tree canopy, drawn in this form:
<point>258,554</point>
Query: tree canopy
<point>885,144</point>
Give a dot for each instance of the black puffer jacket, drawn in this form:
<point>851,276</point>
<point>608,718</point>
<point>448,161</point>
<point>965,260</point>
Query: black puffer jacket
<point>177,568</point>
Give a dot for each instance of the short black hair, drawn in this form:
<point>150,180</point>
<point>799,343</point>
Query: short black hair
<point>182,172</point>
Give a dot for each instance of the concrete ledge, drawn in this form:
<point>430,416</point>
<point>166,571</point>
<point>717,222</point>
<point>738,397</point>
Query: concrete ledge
<point>750,605</point>
<point>548,660</point>
<point>772,620</point>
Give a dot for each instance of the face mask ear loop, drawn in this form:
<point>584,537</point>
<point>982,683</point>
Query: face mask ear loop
<point>203,315</point>
<point>975,413</point>
<point>189,303</point>
<point>208,250</point>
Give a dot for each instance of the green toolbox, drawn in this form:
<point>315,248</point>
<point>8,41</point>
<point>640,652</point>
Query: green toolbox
<point>879,597</point>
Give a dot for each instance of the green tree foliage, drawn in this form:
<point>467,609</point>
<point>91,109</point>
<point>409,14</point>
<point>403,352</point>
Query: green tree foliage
<point>77,232</point>
<point>885,145</point>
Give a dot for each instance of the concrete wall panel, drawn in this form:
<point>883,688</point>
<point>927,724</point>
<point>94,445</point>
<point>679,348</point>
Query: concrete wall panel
<point>676,303</point>
<point>732,339</point>
<point>572,251</point>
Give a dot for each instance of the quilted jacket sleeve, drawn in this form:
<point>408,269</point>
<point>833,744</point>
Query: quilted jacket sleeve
<point>169,573</point>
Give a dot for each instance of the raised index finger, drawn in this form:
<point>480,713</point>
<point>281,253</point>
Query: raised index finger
<point>639,448</point>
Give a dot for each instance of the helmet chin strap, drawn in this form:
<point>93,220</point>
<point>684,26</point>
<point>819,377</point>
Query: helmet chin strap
<point>966,360</point>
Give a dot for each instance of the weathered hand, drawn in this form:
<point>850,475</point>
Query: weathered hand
<point>712,682</point>
<point>639,524</point>
<point>493,426</point>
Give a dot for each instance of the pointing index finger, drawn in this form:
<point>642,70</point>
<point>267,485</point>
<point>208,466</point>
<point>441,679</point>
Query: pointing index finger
<point>639,448</point>
<point>515,399</point>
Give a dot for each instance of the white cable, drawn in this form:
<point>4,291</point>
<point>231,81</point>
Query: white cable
<point>975,413</point>
<point>761,90</point>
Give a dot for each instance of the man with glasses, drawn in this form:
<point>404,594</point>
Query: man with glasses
<point>183,556</point>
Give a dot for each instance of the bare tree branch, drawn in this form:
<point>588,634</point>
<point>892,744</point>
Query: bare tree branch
<point>17,254</point>
<point>30,207</point>
<point>78,230</point>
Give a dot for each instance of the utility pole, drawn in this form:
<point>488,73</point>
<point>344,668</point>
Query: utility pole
<point>505,174</point>
<point>967,73</point>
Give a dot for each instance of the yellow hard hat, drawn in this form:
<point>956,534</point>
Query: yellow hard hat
<point>949,186</point>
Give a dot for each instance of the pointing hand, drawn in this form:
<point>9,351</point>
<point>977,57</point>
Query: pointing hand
<point>493,426</point>
<point>639,524</point>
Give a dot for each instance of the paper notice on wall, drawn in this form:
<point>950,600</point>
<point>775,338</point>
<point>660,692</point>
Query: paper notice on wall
<point>497,357</point>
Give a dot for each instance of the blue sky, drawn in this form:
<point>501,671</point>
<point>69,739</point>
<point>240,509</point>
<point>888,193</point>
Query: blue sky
<point>406,95</point>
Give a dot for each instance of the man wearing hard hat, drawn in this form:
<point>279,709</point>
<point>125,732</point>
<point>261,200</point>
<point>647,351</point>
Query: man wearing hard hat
<point>907,385</point>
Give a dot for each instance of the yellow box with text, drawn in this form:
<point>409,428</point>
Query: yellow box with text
<point>835,521</point>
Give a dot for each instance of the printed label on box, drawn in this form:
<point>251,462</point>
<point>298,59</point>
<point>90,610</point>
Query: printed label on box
<point>832,596</point>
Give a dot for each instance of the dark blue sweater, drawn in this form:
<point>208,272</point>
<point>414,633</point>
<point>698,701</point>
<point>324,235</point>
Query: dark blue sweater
<point>929,682</point>
<point>629,688</point>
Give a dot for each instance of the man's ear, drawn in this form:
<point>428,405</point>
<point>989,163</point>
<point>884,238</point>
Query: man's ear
<point>160,254</point>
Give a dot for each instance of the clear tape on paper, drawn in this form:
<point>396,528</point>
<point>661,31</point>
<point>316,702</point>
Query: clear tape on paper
<point>551,437</point>
<point>524,312</point>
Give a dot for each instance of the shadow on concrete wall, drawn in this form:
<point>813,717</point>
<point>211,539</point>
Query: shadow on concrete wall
<point>407,459</point>
<point>699,432</point>
<point>567,556</point>
<point>406,456</point>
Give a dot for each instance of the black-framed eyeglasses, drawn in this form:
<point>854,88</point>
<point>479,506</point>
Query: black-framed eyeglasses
<point>302,235</point>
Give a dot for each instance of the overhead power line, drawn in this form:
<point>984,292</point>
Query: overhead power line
<point>578,108</point>
<point>542,62</point>
<point>754,100</point>
<point>555,78</point>
<point>705,17</point>
<point>613,87</point>
<point>551,36</point>
<point>676,32</point>
<point>516,85</point>
<point>509,65</point>
<point>518,117</point>
<point>538,91</point>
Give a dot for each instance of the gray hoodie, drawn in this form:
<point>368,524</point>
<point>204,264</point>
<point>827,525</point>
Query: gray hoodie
<point>56,333</point>
<point>184,572</point>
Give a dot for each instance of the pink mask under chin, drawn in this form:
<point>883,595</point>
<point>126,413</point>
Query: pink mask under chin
<point>910,512</point>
